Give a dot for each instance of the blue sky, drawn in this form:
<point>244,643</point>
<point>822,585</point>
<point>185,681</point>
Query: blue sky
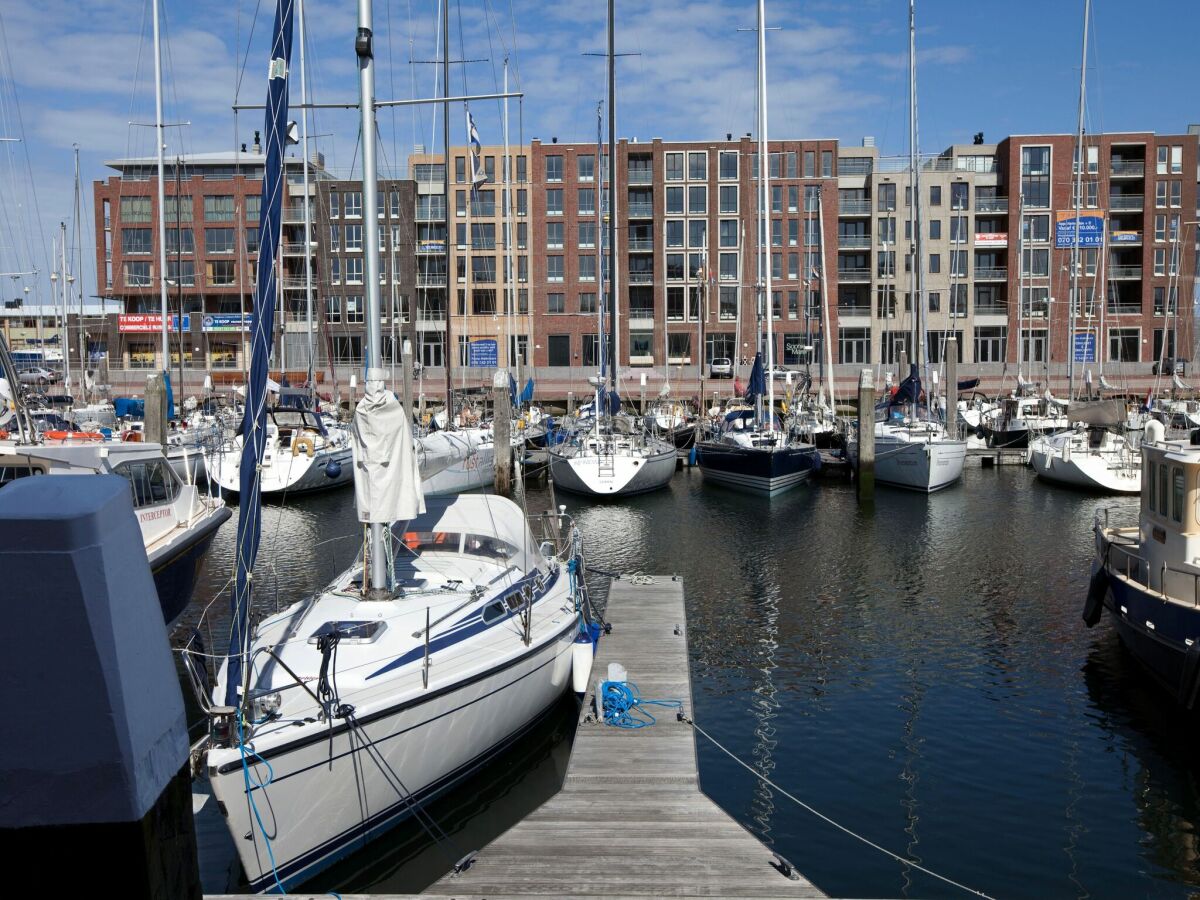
<point>81,72</point>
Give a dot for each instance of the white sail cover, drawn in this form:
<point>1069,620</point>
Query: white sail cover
<point>1179,385</point>
<point>442,449</point>
<point>387,480</point>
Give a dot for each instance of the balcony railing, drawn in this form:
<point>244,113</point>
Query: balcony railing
<point>854,207</point>
<point>641,278</point>
<point>294,215</point>
<point>1128,168</point>
<point>854,275</point>
<point>1124,309</point>
<point>641,176</point>
<point>434,214</point>
<point>425,279</point>
<point>1124,238</point>
<point>1125,272</point>
<point>991,309</point>
<point>991,273</point>
<point>641,312</point>
<point>854,309</point>
<point>641,210</point>
<point>855,165</point>
<point>991,204</point>
<point>297,248</point>
<point>854,242</point>
<point>1126,201</point>
<point>641,244</point>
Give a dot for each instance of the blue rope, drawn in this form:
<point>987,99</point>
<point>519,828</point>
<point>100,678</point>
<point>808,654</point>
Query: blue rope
<point>253,785</point>
<point>624,706</point>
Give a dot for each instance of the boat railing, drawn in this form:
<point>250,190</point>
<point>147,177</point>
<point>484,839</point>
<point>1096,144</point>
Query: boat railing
<point>1166,587</point>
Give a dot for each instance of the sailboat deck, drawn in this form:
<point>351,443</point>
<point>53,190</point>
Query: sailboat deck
<point>631,820</point>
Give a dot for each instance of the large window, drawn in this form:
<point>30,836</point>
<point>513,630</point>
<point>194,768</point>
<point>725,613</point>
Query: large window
<point>218,240</point>
<point>674,201</point>
<point>559,348</point>
<point>137,274</point>
<point>697,200</point>
<point>1124,344</point>
<point>135,240</point>
<point>1035,177</point>
<point>136,210</point>
<point>674,164</point>
<point>728,164</point>
<point>585,167</point>
<point>554,268</point>
<point>727,304</point>
<point>554,202</point>
<point>179,209</point>
<point>698,166</point>
<point>352,204</point>
<point>854,345</point>
<point>729,198</point>
<point>218,209</point>
<point>991,343</point>
<point>554,168</point>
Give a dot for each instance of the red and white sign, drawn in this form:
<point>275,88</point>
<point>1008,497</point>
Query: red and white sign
<point>145,323</point>
<point>992,239</point>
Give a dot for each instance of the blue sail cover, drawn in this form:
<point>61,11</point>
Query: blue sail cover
<point>610,402</point>
<point>527,392</point>
<point>910,388</point>
<point>262,338</point>
<point>758,381</point>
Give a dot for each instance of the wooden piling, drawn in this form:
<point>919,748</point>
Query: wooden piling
<point>156,412</point>
<point>866,435</point>
<point>502,432</point>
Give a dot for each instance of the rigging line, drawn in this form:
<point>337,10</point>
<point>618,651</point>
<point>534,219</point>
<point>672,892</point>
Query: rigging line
<point>237,87</point>
<point>820,815</point>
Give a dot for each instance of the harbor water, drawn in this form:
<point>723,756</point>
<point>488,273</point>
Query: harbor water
<point>918,672</point>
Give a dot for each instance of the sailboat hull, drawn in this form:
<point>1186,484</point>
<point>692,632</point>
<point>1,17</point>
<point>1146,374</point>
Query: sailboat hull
<point>764,470</point>
<point>614,476</point>
<point>916,465</point>
<point>1057,459</point>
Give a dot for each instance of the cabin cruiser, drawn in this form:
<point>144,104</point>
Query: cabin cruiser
<point>1017,419</point>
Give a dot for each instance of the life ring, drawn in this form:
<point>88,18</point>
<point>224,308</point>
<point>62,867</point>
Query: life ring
<point>73,436</point>
<point>132,437</point>
<point>306,442</point>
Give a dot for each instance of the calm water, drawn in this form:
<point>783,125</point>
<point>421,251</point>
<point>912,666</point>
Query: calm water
<point>919,673</point>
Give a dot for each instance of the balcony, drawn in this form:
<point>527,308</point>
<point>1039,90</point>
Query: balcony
<point>854,207</point>
<point>641,210</point>
<point>1125,238</point>
<point>296,248</point>
<point>1124,309</point>
<point>851,310</point>
<point>428,247</point>
<point>1126,201</point>
<point>294,215</point>
<point>641,245</point>
<point>991,273</point>
<point>1125,273</point>
<point>991,204</point>
<point>431,214</point>
<point>854,242</point>
<point>991,309</point>
<point>641,278</point>
<point>431,279</point>
<point>854,275</point>
<point>641,176</point>
<point>855,165</point>
<point>1122,168</point>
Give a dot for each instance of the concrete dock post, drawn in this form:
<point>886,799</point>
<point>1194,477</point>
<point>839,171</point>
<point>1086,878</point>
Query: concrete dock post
<point>502,432</point>
<point>156,412</point>
<point>952,387</point>
<point>866,435</point>
<point>570,403</point>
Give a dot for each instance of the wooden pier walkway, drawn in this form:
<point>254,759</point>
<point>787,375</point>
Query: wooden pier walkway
<point>630,820</point>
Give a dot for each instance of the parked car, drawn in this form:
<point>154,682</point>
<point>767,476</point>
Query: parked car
<point>39,376</point>
<point>1170,366</point>
<point>720,367</point>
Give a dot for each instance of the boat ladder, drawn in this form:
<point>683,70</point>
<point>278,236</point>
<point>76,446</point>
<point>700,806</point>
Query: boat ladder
<point>605,464</point>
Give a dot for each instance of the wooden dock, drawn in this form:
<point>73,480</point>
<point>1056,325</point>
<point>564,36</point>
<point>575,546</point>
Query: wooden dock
<point>999,456</point>
<point>630,820</point>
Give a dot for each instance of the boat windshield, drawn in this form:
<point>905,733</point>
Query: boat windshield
<point>432,541</point>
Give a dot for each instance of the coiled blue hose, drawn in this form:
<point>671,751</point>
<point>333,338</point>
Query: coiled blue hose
<point>624,706</point>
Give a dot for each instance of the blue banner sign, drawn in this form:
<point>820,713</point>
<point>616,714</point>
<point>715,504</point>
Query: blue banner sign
<point>1085,347</point>
<point>227,322</point>
<point>482,353</point>
<point>1091,229</point>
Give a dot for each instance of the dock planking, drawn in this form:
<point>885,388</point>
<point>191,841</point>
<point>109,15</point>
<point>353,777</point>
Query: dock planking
<point>630,820</point>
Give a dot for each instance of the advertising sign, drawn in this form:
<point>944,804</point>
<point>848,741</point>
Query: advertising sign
<point>482,353</point>
<point>1125,237</point>
<point>1091,228</point>
<point>1085,347</point>
<point>992,239</point>
<point>227,322</point>
<point>148,323</point>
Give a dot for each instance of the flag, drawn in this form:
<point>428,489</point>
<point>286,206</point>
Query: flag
<point>478,175</point>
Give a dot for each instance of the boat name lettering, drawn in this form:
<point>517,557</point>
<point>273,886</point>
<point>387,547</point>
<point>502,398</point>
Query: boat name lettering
<point>153,514</point>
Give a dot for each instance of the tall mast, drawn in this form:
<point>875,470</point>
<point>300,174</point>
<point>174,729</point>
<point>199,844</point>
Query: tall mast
<point>613,340</point>
<point>764,179</point>
<point>1020,287</point>
<point>370,186</point>
<point>1079,165</point>
<point>827,335</point>
<point>79,275</point>
<point>64,331</point>
<point>510,298</point>
<point>916,280</point>
<point>602,298</point>
<point>159,141</point>
<point>446,194</point>
<point>308,283</point>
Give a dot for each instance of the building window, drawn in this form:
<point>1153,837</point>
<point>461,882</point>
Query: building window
<point>354,237</point>
<point>674,228</point>
<point>585,167</point>
<point>555,303</point>
<point>554,168</point>
<point>727,304</point>
<point>697,233</point>
<point>554,268</point>
<point>826,163</point>
<point>729,266</point>
<point>697,200</point>
<point>136,240</point>
<point>674,166</point>
<point>522,202</point>
<point>1035,263</point>
<point>1037,228</point>
<point>179,209</point>
<point>135,210</point>
<point>218,240</point>
<point>674,201</point>
<point>182,272</point>
<point>352,202</point>
<point>728,164</point>
<point>935,195</point>
<point>935,229</point>
<point>674,266</point>
<point>354,270</point>
<point>1035,176</point>
<point>886,197</point>
<point>587,234</point>
<point>554,235</point>
<point>137,274</point>
<point>559,349</point>
<point>991,343</point>
<point>354,308</point>
<point>218,209</point>
<point>698,166</point>
<point>554,202</point>
<point>221,273</point>
<point>959,195</point>
<point>587,202</point>
<point>587,268</point>
<point>728,199</point>
<point>1124,344</point>
<point>587,302</point>
<point>854,346</point>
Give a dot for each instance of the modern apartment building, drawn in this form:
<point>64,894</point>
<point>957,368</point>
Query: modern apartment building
<point>687,263</point>
<point>490,293</point>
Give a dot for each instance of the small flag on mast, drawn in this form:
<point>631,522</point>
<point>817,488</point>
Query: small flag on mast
<point>478,175</point>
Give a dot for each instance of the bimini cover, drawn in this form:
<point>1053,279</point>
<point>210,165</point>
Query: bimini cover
<point>482,515</point>
<point>387,481</point>
<point>1097,412</point>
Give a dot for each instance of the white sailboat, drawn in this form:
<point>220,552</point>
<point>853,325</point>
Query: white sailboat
<point>912,448</point>
<point>1092,454</point>
<point>614,456</point>
<point>331,721</point>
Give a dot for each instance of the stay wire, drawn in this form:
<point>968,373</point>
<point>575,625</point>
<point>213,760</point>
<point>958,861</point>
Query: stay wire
<point>824,818</point>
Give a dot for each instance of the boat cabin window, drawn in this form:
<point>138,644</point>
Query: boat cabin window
<point>151,481</point>
<point>492,612</point>
<point>12,473</point>
<point>1162,489</point>
<point>489,547</point>
<point>1177,493</point>
<point>1151,480</point>
<point>432,541</point>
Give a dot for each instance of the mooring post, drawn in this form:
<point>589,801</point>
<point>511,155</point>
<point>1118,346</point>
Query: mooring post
<point>406,363</point>
<point>570,403</point>
<point>502,432</point>
<point>156,413</point>
<point>952,386</point>
<point>866,435</point>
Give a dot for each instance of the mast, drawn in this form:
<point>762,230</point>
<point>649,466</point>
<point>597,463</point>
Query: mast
<point>82,336</point>
<point>370,185</point>
<point>510,299</point>
<point>827,336</point>
<point>64,331</point>
<point>159,141</point>
<point>1079,164</point>
<point>764,180</point>
<point>179,283</point>
<point>446,194</point>
<point>601,298</point>
<point>1020,287</point>
<point>308,283</point>
<point>614,341</point>
<point>916,280</point>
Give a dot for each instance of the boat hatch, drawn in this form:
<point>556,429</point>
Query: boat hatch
<point>351,631</point>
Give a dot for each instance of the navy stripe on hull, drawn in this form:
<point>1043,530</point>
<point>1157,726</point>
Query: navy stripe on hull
<point>175,577</point>
<point>1160,649</point>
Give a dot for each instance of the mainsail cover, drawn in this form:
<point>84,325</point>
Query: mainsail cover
<point>387,479</point>
<point>262,339</point>
<point>1096,412</point>
<point>758,382</point>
